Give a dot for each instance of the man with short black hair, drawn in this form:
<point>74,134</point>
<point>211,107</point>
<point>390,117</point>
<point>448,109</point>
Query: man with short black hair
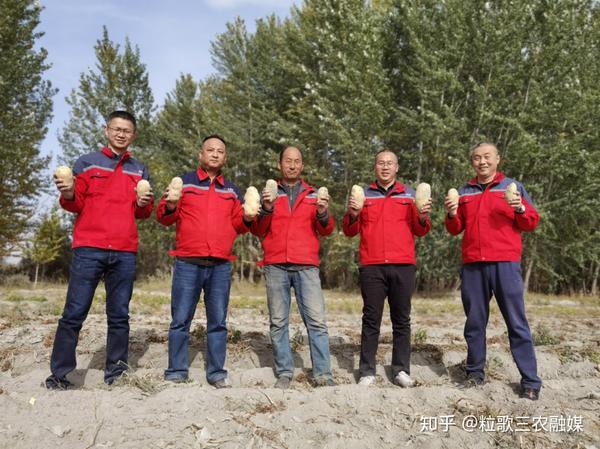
<point>105,241</point>
<point>492,222</point>
<point>387,222</point>
<point>208,216</point>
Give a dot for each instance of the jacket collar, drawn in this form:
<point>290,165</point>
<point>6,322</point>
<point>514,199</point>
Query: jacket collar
<point>499,176</point>
<point>397,188</point>
<point>304,185</point>
<point>203,175</point>
<point>111,154</point>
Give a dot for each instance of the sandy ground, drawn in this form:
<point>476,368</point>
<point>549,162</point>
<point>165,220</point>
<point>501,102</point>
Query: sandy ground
<point>143,411</point>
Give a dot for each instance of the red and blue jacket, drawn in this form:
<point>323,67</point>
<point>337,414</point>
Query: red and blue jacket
<point>105,201</point>
<point>208,216</point>
<point>292,236</point>
<point>387,225</point>
<point>492,228</point>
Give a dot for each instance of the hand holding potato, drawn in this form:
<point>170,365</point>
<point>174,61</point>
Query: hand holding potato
<point>356,200</point>
<point>322,200</point>
<point>143,193</point>
<point>269,195</point>
<point>451,202</point>
<point>65,183</point>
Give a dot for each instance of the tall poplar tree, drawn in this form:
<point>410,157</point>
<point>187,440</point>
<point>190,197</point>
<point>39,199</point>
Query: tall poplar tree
<point>25,110</point>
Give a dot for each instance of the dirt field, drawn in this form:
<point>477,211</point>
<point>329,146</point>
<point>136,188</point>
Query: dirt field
<point>143,411</point>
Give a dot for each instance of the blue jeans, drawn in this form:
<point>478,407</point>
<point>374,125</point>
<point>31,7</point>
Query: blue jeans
<point>188,282</point>
<point>480,281</point>
<point>88,266</point>
<point>311,305</point>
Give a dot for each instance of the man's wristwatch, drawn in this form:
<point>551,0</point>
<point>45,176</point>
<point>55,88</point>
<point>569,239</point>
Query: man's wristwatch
<point>520,209</point>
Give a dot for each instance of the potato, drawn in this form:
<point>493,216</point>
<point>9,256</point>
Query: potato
<point>142,188</point>
<point>453,195</point>
<point>271,186</point>
<point>175,188</point>
<point>251,201</point>
<point>423,195</point>
<point>323,193</point>
<point>358,194</point>
<point>64,174</point>
<point>510,192</point>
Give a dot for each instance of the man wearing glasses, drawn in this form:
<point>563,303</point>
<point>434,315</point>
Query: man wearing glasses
<point>105,241</point>
<point>492,222</point>
<point>387,223</point>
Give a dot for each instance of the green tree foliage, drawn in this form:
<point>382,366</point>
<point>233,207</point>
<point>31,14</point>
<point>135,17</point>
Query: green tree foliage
<point>25,109</point>
<point>47,242</point>
<point>119,81</point>
<point>426,78</point>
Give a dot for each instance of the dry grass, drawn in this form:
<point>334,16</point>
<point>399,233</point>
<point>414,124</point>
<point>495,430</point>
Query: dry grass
<point>7,358</point>
<point>147,383</point>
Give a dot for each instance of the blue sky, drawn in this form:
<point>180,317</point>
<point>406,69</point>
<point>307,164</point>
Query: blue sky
<point>173,38</point>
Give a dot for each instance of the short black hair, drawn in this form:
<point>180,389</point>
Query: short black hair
<point>386,150</point>
<point>289,146</point>
<point>214,136</point>
<point>480,144</point>
<point>124,115</point>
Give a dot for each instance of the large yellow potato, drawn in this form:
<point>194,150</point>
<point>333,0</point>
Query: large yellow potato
<point>65,174</point>
<point>175,189</point>
<point>271,186</point>
<point>323,193</point>
<point>423,195</point>
<point>358,194</point>
<point>142,188</point>
<point>510,192</point>
<point>251,201</point>
<point>453,195</point>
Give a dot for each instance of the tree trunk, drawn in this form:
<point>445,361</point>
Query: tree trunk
<point>528,275</point>
<point>37,270</point>
<point>594,291</point>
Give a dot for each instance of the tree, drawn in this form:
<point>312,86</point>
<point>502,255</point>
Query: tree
<point>25,110</point>
<point>47,242</point>
<point>119,81</point>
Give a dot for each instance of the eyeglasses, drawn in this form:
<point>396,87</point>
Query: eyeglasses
<point>385,163</point>
<point>126,132</point>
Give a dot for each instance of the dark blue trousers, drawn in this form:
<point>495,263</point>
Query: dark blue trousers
<point>88,267</point>
<point>480,281</point>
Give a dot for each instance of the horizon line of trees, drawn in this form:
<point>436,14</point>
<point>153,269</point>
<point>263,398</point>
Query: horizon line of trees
<point>343,78</point>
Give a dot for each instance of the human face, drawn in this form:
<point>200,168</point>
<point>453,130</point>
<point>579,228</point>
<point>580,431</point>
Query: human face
<point>213,155</point>
<point>386,168</point>
<point>485,160</point>
<point>120,134</point>
<point>291,165</point>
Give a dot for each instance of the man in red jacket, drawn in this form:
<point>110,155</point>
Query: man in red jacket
<point>387,223</point>
<point>290,227</point>
<point>491,254</point>
<point>208,218</point>
<point>105,241</point>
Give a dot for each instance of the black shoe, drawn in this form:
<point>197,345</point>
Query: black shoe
<point>177,379</point>
<point>221,383</point>
<point>113,379</point>
<point>533,394</point>
<point>283,382</point>
<point>54,383</point>
<point>473,380</point>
